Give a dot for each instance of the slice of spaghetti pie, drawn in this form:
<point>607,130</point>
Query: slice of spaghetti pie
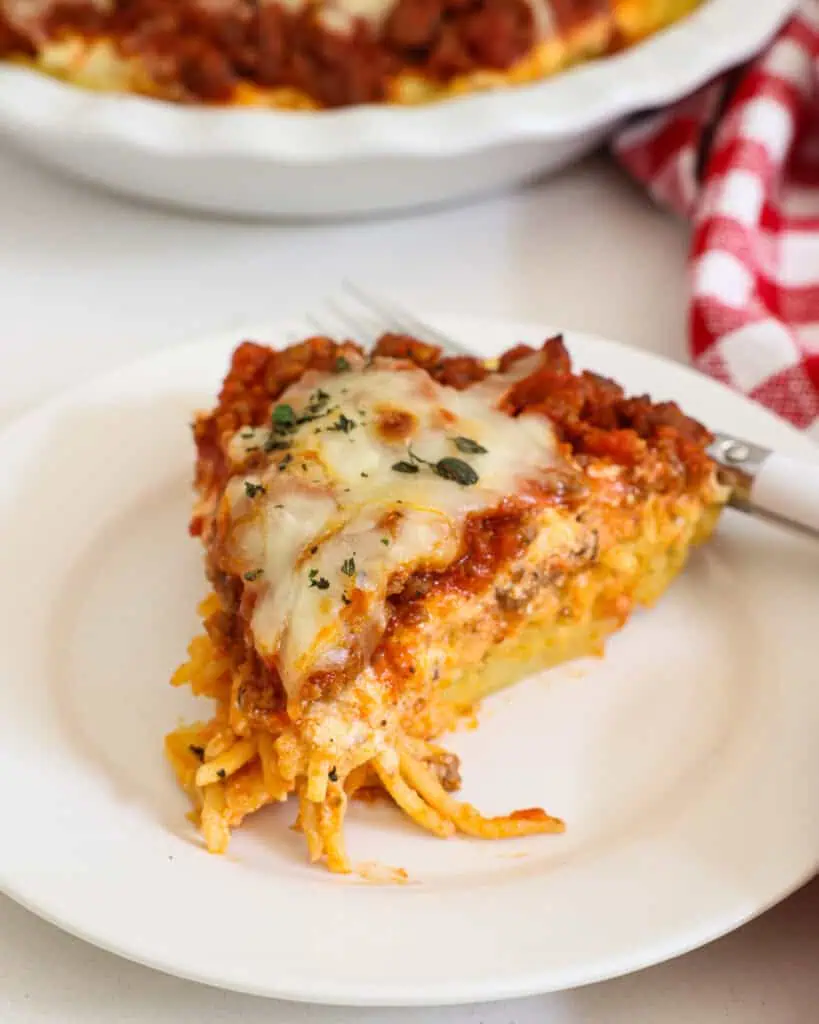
<point>390,538</point>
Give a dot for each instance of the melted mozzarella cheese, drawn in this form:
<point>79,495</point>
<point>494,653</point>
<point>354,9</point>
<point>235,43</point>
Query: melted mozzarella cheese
<point>330,524</point>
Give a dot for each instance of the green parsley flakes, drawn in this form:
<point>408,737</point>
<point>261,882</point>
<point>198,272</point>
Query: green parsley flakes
<point>456,469</point>
<point>468,446</point>
<point>284,417</point>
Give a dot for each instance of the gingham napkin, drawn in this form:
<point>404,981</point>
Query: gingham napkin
<point>740,158</point>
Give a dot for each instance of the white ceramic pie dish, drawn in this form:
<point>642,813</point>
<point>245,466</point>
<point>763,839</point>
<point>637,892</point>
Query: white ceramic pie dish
<point>369,159</point>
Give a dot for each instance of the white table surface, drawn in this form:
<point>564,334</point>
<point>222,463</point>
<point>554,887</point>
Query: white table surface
<point>88,282</point>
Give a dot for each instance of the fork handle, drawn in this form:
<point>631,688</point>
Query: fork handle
<point>777,487</point>
<point>787,490</point>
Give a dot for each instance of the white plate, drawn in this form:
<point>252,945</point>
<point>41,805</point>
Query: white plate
<point>685,763</point>
<point>369,159</point>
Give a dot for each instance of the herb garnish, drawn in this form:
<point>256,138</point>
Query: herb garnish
<point>274,444</point>
<point>342,364</point>
<point>348,566</point>
<point>468,446</point>
<point>221,773</point>
<point>285,461</point>
<point>315,406</point>
<point>319,582</point>
<point>448,468</point>
<point>253,574</point>
<point>385,541</point>
<point>456,469</point>
<point>284,418</point>
<point>332,775</point>
<point>198,751</point>
<point>253,490</point>
<point>345,599</point>
<point>343,424</point>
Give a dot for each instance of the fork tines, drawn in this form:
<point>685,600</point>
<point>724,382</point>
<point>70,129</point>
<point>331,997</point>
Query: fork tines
<point>363,317</point>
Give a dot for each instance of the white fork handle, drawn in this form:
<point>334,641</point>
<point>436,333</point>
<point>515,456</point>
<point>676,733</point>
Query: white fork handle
<point>777,487</point>
<point>787,490</point>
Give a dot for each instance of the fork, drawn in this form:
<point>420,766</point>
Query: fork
<point>764,484</point>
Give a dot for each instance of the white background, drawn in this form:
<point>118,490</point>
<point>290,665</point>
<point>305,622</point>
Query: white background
<point>88,282</point>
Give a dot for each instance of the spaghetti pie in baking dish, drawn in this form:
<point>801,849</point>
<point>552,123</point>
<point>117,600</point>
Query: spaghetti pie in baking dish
<point>391,537</point>
<point>308,54</point>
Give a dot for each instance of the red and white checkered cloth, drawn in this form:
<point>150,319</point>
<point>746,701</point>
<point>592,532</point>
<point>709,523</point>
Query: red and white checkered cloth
<point>740,158</point>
